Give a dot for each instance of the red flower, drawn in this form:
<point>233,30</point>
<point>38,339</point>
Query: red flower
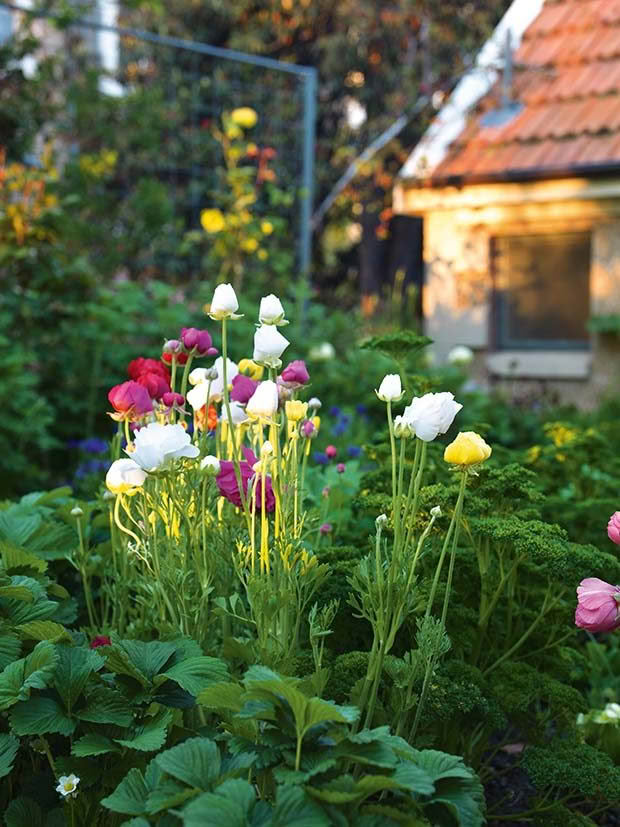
<point>130,399</point>
<point>100,640</point>
<point>138,367</point>
<point>181,358</point>
<point>154,383</point>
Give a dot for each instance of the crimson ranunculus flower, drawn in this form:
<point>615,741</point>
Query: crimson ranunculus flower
<point>170,399</point>
<point>200,340</point>
<point>598,605</point>
<point>242,388</point>
<point>131,400</point>
<point>100,640</point>
<point>295,374</point>
<point>227,482</point>
<point>138,367</point>
<point>154,383</point>
<point>180,358</point>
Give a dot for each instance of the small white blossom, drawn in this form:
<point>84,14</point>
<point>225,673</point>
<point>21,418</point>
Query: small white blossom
<point>271,311</point>
<point>315,403</point>
<point>266,449</point>
<point>322,353</point>
<point>67,786</point>
<point>210,465</point>
<point>390,389</point>
<point>124,475</point>
<point>460,355</point>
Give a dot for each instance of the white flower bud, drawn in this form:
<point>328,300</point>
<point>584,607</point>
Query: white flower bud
<point>266,449</point>
<point>271,311</point>
<point>269,345</point>
<point>381,521</point>
<point>390,389</point>
<point>460,355</point>
<point>436,511</point>
<point>263,404</point>
<point>76,511</point>
<point>224,304</point>
<point>210,465</point>
<point>315,403</point>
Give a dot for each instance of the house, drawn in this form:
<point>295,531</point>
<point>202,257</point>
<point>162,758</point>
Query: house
<point>518,184</point>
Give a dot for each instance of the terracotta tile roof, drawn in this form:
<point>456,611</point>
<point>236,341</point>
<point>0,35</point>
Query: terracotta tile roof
<point>567,79</point>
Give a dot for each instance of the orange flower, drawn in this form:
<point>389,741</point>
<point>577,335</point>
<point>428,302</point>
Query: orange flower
<point>211,418</point>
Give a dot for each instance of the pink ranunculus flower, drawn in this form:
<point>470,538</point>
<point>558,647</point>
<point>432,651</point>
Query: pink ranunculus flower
<point>171,399</point>
<point>613,528</point>
<point>242,388</point>
<point>227,482</point>
<point>598,605</point>
<point>198,339</point>
<point>295,374</point>
<point>130,400</point>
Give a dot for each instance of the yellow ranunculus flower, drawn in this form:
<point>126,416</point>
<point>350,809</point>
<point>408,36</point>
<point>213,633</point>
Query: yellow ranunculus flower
<point>469,448</point>
<point>251,369</point>
<point>295,410</point>
<point>250,245</point>
<point>316,421</point>
<point>266,227</point>
<point>212,220</point>
<point>244,116</point>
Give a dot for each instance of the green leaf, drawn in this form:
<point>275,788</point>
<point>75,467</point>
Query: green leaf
<point>293,808</point>
<point>230,805</point>
<point>17,526</point>
<point>141,659</point>
<point>17,558</point>
<point>17,593</point>
<point>152,735</point>
<point>106,706</point>
<point>93,744</point>
<point>222,696</point>
<point>32,672</point>
<point>10,647</point>
<point>44,630</point>
<point>168,793</point>
<point>196,762</point>
<point>75,666</point>
<point>195,674</point>
<point>8,750</point>
<point>23,811</point>
<point>130,796</point>
<point>136,822</point>
<point>39,715</point>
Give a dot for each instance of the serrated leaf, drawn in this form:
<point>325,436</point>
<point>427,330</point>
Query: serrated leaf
<point>23,811</point>
<point>75,666</point>
<point>222,696</point>
<point>195,674</point>
<point>16,558</point>
<point>136,822</point>
<point>151,735</point>
<point>93,744</point>
<point>196,762</point>
<point>106,706</point>
<point>40,715</point>
<point>293,808</point>
<point>129,798</point>
<point>138,659</point>
<point>17,526</point>
<point>8,750</point>
<point>44,630</point>
<point>25,674</point>
<point>10,648</point>
<point>230,805</point>
<point>17,593</point>
<point>168,794</point>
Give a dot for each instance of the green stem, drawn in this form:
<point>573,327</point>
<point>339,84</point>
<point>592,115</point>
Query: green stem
<point>455,540</point>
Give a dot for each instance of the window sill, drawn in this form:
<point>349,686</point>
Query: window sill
<point>540,364</point>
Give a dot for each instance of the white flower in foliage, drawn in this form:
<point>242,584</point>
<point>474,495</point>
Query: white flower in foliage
<point>263,404</point>
<point>431,414</point>
<point>124,476</point>
<point>67,786</point>
<point>157,446</point>
<point>224,304</point>
<point>390,389</point>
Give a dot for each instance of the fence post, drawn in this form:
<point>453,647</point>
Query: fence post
<point>306,199</point>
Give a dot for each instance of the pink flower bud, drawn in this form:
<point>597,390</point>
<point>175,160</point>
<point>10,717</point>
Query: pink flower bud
<point>172,346</point>
<point>198,340</point>
<point>331,451</point>
<point>172,399</point>
<point>598,604</point>
<point>340,468</point>
<point>325,492</point>
<point>130,399</point>
<point>325,528</point>
<point>296,373</point>
<point>613,528</point>
<point>308,429</point>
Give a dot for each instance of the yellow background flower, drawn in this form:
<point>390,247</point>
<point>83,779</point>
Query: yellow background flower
<point>244,116</point>
<point>212,220</point>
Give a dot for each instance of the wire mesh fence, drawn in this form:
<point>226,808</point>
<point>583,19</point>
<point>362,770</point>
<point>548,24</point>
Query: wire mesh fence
<point>155,102</point>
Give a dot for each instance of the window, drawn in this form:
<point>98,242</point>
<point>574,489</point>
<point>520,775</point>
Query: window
<point>542,291</point>
<point>6,25</point>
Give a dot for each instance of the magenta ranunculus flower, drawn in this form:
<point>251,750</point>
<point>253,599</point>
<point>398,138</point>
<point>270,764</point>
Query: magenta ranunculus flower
<point>331,451</point>
<point>170,399</point>
<point>130,399</point>
<point>242,388</point>
<point>598,605</point>
<point>227,482</point>
<point>295,374</point>
<point>613,528</point>
<point>307,428</point>
<point>325,528</point>
<point>154,383</point>
<point>198,339</point>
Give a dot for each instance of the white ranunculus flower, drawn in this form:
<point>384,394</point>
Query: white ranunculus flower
<point>124,475</point>
<point>269,345</point>
<point>197,397</point>
<point>197,376</point>
<point>271,311</point>
<point>237,413</point>
<point>402,427</point>
<point>431,414</point>
<point>461,355</point>
<point>263,404</point>
<point>211,465</point>
<point>224,304</point>
<point>322,353</point>
<point>157,446</point>
<point>390,389</point>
